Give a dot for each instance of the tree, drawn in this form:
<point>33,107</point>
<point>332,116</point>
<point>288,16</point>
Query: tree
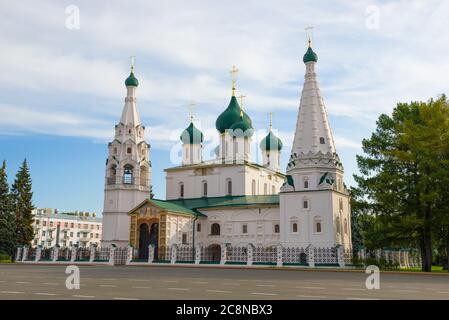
<point>404,175</point>
<point>7,226</point>
<point>22,204</point>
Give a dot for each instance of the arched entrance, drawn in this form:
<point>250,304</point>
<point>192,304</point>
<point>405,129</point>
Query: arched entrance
<point>154,238</point>
<point>215,252</point>
<point>144,241</point>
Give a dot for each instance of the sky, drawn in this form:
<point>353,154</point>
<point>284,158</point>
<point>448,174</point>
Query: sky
<point>62,78</point>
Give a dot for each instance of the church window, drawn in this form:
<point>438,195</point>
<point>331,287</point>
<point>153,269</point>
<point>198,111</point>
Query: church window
<point>198,227</point>
<point>204,189</point>
<point>129,131</point>
<point>277,228</point>
<point>215,229</point>
<point>318,227</point>
<point>341,204</point>
<point>306,184</point>
<point>337,222</point>
<point>345,226</point>
<point>305,204</point>
<point>295,227</point>
<point>265,188</point>
<point>128,177</point>
<point>322,140</point>
<point>229,187</point>
<point>273,189</point>
<point>181,190</point>
<point>128,150</point>
<point>115,150</point>
<point>184,238</point>
<point>245,228</point>
<point>318,224</point>
<point>253,187</point>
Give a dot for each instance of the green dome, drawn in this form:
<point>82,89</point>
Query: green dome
<point>310,56</point>
<point>242,127</point>
<point>191,135</point>
<point>271,142</point>
<point>230,116</point>
<point>131,81</point>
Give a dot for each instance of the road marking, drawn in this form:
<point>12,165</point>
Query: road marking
<point>109,279</point>
<point>264,294</point>
<point>50,283</point>
<point>399,290</point>
<point>141,287</point>
<point>118,298</point>
<point>311,297</point>
<point>230,284</point>
<point>23,282</point>
<point>81,296</point>
<point>170,281</point>
<point>264,285</point>
<point>219,291</point>
<point>45,294</point>
<point>311,288</point>
<point>138,280</point>
<point>444,292</point>
<point>361,299</point>
<point>12,292</point>
<point>180,289</point>
<point>107,286</point>
<point>199,282</point>
<point>353,289</point>
<point>2,281</point>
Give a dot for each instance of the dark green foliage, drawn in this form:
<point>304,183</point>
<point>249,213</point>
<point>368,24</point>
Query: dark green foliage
<point>7,219</point>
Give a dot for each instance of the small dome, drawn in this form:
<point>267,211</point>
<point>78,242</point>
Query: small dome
<point>191,135</point>
<point>230,116</point>
<point>242,128</point>
<point>271,142</point>
<point>131,81</point>
<point>310,56</point>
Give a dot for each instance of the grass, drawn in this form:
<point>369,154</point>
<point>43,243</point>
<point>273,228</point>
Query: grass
<point>5,261</point>
<point>437,269</point>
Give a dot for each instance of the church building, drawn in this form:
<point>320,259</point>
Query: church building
<point>229,200</point>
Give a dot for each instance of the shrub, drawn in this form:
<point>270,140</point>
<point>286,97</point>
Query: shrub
<point>4,256</point>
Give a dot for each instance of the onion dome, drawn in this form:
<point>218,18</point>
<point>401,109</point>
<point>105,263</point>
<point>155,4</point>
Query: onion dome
<point>191,135</point>
<point>242,128</point>
<point>271,142</point>
<point>310,55</point>
<point>131,81</point>
<point>230,116</point>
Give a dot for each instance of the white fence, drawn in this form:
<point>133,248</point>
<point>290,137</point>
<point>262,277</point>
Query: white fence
<point>225,255</point>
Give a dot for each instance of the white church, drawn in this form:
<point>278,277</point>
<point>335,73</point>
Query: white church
<point>229,200</point>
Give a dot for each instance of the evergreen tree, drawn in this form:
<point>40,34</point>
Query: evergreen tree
<point>7,226</point>
<point>22,197</point>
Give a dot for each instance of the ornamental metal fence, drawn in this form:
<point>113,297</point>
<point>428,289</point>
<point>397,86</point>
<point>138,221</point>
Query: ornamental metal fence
<point>236,254</point>
<point>31,254</point>
<point>64,254</point>
<point>83,254</point>
<point>163,253</point>
<point>185,254</point>
<point>46,254</point>
<point>325,256</point>
<point>295,256</point>
<point>265,255</point>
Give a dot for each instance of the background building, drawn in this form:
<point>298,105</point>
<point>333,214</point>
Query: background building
<point>65,229</point>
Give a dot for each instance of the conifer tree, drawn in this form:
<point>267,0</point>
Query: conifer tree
<point>7,225</point>
<point>22,204</point>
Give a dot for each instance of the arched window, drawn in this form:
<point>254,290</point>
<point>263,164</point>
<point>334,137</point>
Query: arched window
<point>253,187</point>
<point>295,227</point>
<point>306,184</point>
<point>229,187</point>
<point>305,204</point>
<point>181,190</point>
<point>345,226</point>
<point>215,229</point>
<point>115,150</point>
<point>318,225</point>
<point>128,177</point>
<point>322,140</point>
<point>128,150</point>
<point>337,222</point>
<point>341,204</point>
<point>204,188</point>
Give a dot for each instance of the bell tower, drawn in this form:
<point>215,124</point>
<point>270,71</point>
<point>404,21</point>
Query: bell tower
<point>128,170</point>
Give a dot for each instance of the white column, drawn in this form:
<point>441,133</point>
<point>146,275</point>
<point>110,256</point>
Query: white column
<point>25,253</point>
<point>92,254</point>
<point>19,254</point>
<point>311,256</point>
<point>150,254</point>
<point>73,257</point>
<point>174,252</point>
<point>223,257</point>
<point>112,255</point>
<point>38,254</point>
<point>279,256</point>
<point>55,251</point>
<point>130,254</point>
<point>250,255</point>
<point>340,256</point>
<point>197,255</point>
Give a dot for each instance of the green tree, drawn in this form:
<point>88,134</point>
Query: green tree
<point>22,197</point>
<point>404,175</point>
<point>7,225</point>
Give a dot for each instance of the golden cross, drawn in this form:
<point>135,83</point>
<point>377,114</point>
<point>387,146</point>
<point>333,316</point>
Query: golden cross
<point>309,31</point>
<point>234,72</point>
<point>132,63</point>
<point>241,97</point>
<point>191,106</point>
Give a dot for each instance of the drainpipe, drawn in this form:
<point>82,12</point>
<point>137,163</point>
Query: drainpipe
<point>193,238</point>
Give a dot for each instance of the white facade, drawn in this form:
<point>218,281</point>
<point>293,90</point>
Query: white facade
<point>128,172</point>
<point>65,229</point>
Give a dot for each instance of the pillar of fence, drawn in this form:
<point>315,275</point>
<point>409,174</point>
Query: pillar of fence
<point>112,255</point>
<point>25,253</point>
<point>73,257</point>
<point>38,253</point>
<point>55,251</point>
<point>197,254</point>
<point>279,256</point>
<point>129,255</point>
<point>174,253</point>
<point>93,250</point>
<point>249,261</point>
<point>340,257</point>
<point>150,254</point>
<point>223,256</point>
<point>311,256</point>
<point>19,254</point>
<point>378,254</point>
